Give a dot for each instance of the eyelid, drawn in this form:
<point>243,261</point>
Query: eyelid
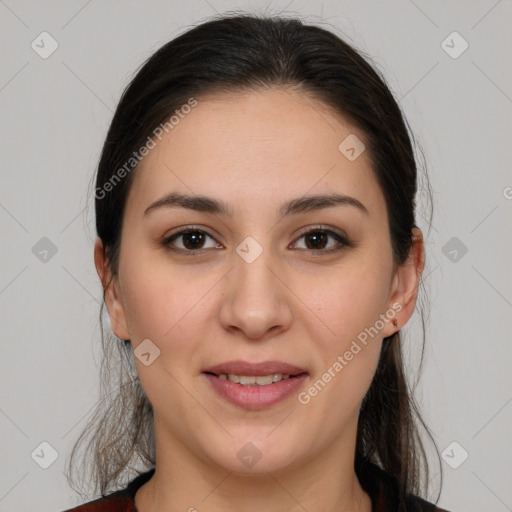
<point>321,227</point>
<point>186,228</point>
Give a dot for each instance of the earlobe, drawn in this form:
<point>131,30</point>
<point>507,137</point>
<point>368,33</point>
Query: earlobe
<point>406,280</point>
<point>111,291</point>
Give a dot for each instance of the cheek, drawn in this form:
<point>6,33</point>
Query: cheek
<point>156,295</point>
<point>170,306</point>
<point>345,332</point>
<point>147,307</point>
<point>165,308</point>
<point>349,300</point>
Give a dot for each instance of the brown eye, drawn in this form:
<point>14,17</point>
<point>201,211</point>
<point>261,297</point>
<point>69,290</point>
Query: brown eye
<point>317,239</point>
<point>192,241</point>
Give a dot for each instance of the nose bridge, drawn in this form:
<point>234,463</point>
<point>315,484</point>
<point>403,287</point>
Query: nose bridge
<point>256,301</point>
<point>253,263</point>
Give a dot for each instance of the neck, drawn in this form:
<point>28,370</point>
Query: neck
<point>182,482</point>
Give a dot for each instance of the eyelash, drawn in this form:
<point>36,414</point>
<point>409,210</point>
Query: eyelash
<point>342,239</point>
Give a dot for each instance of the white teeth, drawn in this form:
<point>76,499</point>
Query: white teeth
<point>261,380</point>
<point>242,379</point>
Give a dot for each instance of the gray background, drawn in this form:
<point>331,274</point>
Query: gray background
<point>55,114</point>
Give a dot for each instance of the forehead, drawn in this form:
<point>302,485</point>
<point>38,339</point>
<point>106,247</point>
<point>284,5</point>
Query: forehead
<point>250,147</point>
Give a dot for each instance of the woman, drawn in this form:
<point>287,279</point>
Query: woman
<point>259,255</point>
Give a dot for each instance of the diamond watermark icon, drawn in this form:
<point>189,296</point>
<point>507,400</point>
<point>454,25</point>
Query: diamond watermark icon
<point>454,455</point>
<point>454,249</point>
<point>454,45</point>
<point>352,147</point>
<point>249,249</point>
<point>44,250</point>
<point>146,352</point>
<point>44,45</point>
<point>249,454</point>
<point>44,455</point>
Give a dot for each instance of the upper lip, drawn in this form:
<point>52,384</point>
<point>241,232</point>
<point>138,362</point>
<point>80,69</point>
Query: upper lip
<point>240,367</point>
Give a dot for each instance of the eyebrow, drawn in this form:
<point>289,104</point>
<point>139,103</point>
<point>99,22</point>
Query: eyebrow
<point>295,206</point>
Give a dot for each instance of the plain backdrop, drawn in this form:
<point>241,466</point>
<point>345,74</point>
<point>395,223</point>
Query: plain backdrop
<point>55,115</point>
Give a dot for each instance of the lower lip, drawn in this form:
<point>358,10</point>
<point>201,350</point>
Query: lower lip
<point>255,396</point>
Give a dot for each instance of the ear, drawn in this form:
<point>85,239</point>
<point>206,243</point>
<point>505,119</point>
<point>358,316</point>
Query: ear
<point>404,289</point>
<point>112,293</point>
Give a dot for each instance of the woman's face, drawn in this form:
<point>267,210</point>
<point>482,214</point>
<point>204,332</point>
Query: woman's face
<point>257,289</point>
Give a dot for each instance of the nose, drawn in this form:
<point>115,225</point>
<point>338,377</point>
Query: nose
<point>257,300</point>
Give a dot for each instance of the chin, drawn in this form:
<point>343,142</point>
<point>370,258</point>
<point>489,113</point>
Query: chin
<point>242,455</point>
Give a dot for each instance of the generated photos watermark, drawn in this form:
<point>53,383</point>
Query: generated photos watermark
<point>363,337</point>
<point>137,156</point>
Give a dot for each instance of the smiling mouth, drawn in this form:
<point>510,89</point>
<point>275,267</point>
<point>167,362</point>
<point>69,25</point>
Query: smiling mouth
<point>255,392</point>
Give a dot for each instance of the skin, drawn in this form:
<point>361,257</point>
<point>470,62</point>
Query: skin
<point>255,151</point>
